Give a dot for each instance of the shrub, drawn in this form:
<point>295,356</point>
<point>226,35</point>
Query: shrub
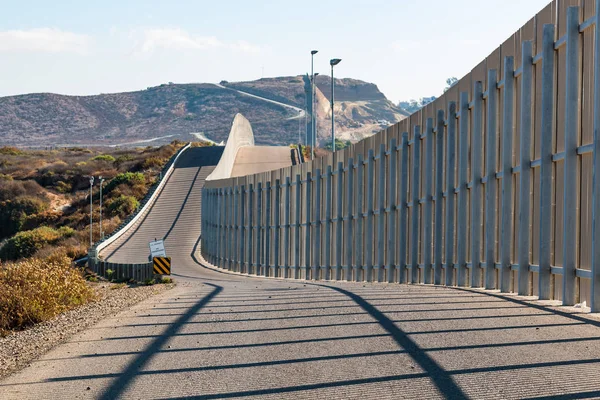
<point>151,162</point>
<point>13,213</point>
<point>104,157</point>
<point>11,189</point>
<point>129,178</point>
<point>36,290</point>
<point>122,206</point>
<point>25,244</point>
<point>64,187</point>
<point>10,151</point>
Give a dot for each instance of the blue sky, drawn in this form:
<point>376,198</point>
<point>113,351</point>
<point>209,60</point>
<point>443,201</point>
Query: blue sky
<point>407,47</point>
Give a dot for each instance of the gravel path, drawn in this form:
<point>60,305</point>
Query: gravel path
<point>20,348</point>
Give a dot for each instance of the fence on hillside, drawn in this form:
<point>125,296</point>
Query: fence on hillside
<point>491,185</point>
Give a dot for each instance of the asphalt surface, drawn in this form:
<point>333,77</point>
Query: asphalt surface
<point>221,335</point>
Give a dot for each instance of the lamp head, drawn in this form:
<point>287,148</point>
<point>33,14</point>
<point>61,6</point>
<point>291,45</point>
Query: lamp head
<point>334,61</point>
<point>313,52</point>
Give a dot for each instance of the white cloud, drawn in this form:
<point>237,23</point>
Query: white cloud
<point>48,40</point>
<point>179,39</point>
<point>175,39</point>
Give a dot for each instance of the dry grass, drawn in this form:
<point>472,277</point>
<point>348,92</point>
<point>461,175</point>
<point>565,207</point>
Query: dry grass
<point>36,290</point>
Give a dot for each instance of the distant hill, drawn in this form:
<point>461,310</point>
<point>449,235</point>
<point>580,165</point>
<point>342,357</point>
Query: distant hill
<point>184,111</point>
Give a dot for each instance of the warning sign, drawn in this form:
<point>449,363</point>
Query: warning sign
<point>157,248</point>
<point>162,265</point>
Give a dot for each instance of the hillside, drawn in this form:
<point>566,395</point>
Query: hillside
<point>184,111</point>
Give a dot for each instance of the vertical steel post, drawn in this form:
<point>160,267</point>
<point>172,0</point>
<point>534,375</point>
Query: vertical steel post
<point>218,227</point>
<point>244,230</point>
<point>328,224</point>
<point>370,206</point>
<point>259,230</point>
<point>391,218</point>
<point>228,231</point>
<point>359,240</point>
<point>416,193</point>
<point>525,162</point>
<point>340,221</point>
<point>316,263</point>
<point>403,207</point>
<point>506,230</point>
<point>267,270</point>
<point>428,206</point>
<point>595,289</point>
<point>308,227</point>
<point>381,222</point>
<point>250,246</point>
<point>439,198</point>
<point>349,222</point>
<point>491,184</point>
<point>547,165</point>
<point>476,169</point>
<point>461,218</point>
<point>571,158</point>
<point>298,208</point>
<point>235,228</point>
<point>288,228</point>
<point>277,237</point>
<point>450,168</point>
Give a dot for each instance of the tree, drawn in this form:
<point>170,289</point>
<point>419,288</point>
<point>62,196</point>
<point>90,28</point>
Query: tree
<point>339,144</point>
<point>450,82</point>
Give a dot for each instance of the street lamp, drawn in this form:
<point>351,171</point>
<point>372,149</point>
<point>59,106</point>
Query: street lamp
<point>101,231</point>
<point>314,121</point>
<point>332,62</point>
<point>312,102</point>
<point>91,216</point>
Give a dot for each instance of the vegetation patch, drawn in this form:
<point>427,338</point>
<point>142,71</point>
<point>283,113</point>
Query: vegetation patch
<point>36,290</point>
<point>104,157</point>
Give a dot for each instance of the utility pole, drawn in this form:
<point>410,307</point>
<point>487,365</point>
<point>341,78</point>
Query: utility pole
<point>101,230</point>
<point>333,62</point>
<point>91,211</point>
<point>312,104</point>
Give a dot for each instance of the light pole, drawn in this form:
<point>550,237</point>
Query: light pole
<point>312,103</point>
<point>332,62</point>
<point>91,216</point>
<point>101,231</point>
<point>314,121</point>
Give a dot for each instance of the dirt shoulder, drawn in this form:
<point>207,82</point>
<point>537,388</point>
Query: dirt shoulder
<point>19,349</point>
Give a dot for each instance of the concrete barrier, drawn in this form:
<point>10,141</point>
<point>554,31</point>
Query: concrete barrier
<point>241,135</point>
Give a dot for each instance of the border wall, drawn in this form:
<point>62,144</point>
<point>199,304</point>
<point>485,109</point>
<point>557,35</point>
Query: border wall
<point>491,185</point>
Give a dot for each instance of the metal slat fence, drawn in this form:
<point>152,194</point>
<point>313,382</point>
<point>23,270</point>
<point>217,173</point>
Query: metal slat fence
<point>492,185</point>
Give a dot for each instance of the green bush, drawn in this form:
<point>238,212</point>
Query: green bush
<point>13,213</point>
<point>122,206</point>
<point>151,162</point>
<point>129,178</point>
<point>25,244</point>
<point>104,157</point>
<point>64,187</point>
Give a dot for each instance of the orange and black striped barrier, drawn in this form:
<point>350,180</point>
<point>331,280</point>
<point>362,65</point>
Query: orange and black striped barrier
<point>162,265</point>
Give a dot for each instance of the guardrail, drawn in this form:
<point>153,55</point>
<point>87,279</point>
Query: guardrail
<point>133,218</point>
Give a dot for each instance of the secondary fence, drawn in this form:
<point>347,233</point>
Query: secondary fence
<point>125,272</point>
<point>492,185</point>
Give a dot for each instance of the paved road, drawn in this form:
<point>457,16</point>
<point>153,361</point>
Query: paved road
<point>299,110</point>
<point>224,336</point>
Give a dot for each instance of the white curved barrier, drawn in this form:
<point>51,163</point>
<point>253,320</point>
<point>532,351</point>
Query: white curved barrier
<point>241,135</point>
